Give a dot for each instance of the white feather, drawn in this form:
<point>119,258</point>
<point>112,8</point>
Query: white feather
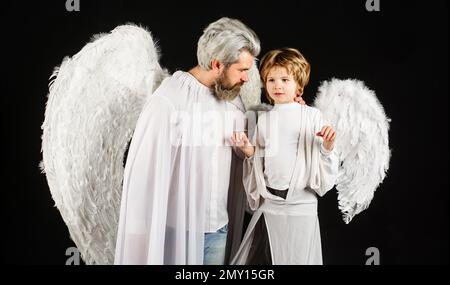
<point>362,141</point>
<point>251,90</point>
<point>93,105</point>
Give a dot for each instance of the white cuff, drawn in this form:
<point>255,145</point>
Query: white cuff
<point>324,151</point>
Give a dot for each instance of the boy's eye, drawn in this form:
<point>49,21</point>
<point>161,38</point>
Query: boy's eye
<point>270,80</point>
<point>285,79</point>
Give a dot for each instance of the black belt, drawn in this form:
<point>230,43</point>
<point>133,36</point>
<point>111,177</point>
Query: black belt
<point>279,193</point>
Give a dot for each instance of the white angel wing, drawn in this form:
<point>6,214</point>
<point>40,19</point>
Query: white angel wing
<point>251,90</point>
<point>362,141</point>
<point>92,109</point>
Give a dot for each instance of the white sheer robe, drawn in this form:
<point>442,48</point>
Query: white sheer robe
<point>176,176</point>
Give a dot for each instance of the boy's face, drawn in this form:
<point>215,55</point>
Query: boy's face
<point>281,85</point>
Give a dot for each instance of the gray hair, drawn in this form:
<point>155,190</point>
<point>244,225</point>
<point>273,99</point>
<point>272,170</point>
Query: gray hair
<point>224,40</point>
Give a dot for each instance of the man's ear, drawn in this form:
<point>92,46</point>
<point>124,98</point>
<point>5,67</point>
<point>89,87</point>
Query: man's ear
<point>216,66</point>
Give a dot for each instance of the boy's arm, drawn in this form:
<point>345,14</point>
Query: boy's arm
<point>328,161</point>
<point>240,140</point>
<point>249,151</point>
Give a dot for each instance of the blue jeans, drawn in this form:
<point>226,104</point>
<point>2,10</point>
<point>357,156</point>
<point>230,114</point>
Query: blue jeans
<point>214,250</point>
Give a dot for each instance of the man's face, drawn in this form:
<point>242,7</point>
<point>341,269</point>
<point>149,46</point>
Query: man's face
<point>231,79</point>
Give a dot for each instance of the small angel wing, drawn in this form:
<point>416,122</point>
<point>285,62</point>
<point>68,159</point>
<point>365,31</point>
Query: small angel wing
<point>362,141</point>
<point>93,105</point>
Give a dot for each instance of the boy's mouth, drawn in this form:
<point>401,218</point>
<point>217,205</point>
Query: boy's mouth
<point>278,94</point>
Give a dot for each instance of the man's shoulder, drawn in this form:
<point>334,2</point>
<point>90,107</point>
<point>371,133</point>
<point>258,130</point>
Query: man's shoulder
<point>169,88</point>
<point>172,81</point>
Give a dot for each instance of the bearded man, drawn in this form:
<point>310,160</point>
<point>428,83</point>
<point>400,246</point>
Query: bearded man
<point>177,173</point>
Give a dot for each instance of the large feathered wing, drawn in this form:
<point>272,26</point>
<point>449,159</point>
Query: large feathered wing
<point>362,141</point>
<point>251,91</point>
<point>93,105</point>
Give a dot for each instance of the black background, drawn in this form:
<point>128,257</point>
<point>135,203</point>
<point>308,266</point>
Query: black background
<point>401,52</point>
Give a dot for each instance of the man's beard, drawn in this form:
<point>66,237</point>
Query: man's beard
<point>224,92</point>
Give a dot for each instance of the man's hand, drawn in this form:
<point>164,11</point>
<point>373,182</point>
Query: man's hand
<point>328,134</point>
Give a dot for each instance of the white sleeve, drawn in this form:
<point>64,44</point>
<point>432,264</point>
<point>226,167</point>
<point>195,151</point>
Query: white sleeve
<point>253,176</point>
<point>147,178</point>
<point>324,177</point>
<point>239,125</point>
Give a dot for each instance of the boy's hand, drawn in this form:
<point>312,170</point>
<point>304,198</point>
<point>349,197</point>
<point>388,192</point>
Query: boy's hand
<point>328,134</point>
<point>240,139</point>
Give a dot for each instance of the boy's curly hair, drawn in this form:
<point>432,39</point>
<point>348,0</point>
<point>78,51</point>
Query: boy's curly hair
<point>289,58</point>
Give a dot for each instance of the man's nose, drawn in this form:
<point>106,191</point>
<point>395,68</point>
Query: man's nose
<point>244,77</point>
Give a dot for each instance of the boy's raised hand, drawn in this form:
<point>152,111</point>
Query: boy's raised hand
<point>240,139</point>
<point>328,134</point>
